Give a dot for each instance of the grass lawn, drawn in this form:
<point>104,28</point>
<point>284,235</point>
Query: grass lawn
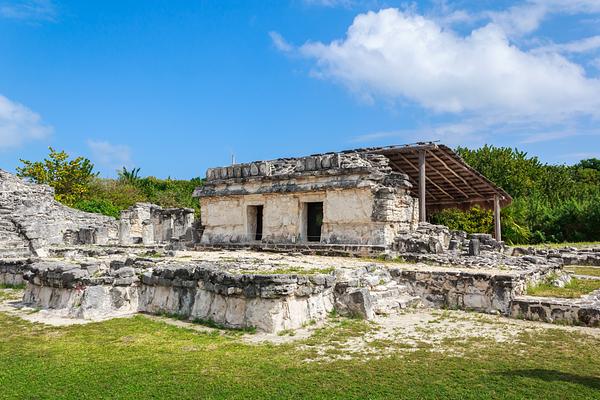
<point>140,358</point>
<point>576,288</point>
<point>577,270</point>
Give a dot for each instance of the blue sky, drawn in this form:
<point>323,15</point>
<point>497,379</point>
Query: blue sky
<point>174,87</point>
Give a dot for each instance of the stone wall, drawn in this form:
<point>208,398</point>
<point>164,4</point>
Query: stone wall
<point>363,201</point>
<point>102,289</point>
<point>11,271</point>
<point>567,255</point>
<point>31,222</point>
<point>41,221</point>
<point>471,290</point>
<point>145,223</point>
<point>584,311</point>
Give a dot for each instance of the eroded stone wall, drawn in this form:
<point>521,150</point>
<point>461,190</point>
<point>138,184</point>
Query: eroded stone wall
<point>40,221</point>
<point>364,202</point>
<point>145,223</point>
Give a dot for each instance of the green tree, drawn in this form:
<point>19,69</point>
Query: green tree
<point>69,178</point>
<point>590,163</point>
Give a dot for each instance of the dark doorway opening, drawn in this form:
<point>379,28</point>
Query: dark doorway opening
<point>314,221</point>
<point>259,223</point>
<point>255,222</point>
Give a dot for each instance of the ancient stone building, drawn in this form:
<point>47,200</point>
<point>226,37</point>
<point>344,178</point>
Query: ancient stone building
<point>362,197</point>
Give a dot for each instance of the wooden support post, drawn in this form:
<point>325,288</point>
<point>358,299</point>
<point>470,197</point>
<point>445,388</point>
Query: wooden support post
<point>497,225</point>
<point>422,192</point>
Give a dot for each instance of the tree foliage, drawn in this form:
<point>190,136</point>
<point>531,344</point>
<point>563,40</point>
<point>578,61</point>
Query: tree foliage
<point>551,203</point>
<point>69,178</point>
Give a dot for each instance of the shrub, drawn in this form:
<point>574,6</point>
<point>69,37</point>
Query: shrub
<point>98,206</point>
<point>69,178</point>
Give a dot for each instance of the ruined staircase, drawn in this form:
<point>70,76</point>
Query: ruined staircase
<point>391,297</point>
<point>12,244</point>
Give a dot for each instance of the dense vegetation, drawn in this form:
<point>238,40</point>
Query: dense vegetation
<point>77,185</point>
<point>551,203</point>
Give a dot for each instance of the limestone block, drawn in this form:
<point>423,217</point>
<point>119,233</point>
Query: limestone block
<point>202,304</point>
<point>235,314</point>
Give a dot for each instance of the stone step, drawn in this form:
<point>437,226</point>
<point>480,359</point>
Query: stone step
<point>395,304</point>
<point>24,253</point>
<point>7,225</point>
<point>12,243</point>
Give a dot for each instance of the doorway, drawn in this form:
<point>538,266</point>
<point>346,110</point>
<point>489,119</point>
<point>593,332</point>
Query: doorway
<point>314,221</point>
<point>255,222</point>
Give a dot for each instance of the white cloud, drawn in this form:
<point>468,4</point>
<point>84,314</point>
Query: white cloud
<point>40,10</point>
<point>18,124</point>
<point>280,43</point>
<point>577,46</point>
<point>112,156</point>
<point>596,62</point>
<point>526,17</point>
<point>399,55</point>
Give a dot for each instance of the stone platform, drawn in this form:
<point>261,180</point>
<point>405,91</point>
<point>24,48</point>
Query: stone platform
<point>263,290</point>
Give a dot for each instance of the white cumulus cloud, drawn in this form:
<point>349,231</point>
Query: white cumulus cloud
<point>401,55</point>
<point>18,124</point>
<point>577,46</point>
<point>527,16</point>
<point>110,156</point>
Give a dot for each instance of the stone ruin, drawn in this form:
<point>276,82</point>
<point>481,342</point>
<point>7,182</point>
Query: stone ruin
<point>31,222</point>
<point>373,255</point>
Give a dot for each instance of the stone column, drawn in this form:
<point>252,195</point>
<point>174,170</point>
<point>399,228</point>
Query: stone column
<point>497,224</point>
<point>422,177</point>
<point>124,234</point>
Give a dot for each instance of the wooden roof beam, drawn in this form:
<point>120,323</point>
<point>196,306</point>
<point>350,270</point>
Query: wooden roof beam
<point>411,178</point>
<point>428,179</point>
<point>454,173</point>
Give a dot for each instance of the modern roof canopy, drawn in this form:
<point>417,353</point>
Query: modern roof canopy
<point>449,181</point>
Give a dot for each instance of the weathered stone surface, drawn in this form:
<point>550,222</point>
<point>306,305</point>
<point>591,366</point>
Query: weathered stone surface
<point>145,223</point>
<point>364,201</point>
<point>39,221</point>
<point>474,247</point>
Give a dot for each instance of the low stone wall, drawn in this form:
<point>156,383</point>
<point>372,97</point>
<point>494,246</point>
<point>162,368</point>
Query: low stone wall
<point>96,290</point>
<point>584,311</point>
<point>478,291</point>
<point>11,271</point>
<point>89,302</point>
<point>567,255</point>
<point>319,249</point>
<point>269,303</point>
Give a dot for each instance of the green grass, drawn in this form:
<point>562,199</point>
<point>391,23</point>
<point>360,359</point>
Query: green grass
<point>576,288</point>
<point>16,287</point>
<point>140,358</point>
<point>582,270</point>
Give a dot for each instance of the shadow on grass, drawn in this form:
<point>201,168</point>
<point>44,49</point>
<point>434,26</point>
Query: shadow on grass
<point>548,375</point>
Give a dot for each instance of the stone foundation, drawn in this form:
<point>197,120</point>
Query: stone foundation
<point>242,289</point>
<point>490,292</point>
<point>11,271</point>
<point>584,311</point>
